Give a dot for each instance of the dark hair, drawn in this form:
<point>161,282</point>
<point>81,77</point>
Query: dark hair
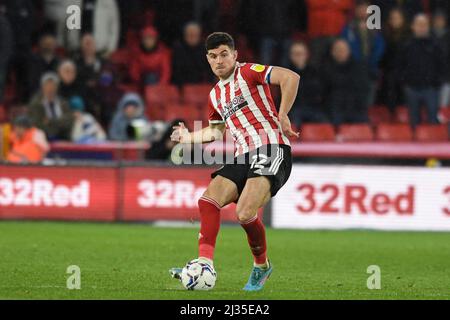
<point>22,121</point>
<point>217,39</point>
<point>362,3</point>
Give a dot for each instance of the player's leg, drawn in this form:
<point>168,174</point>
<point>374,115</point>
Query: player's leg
<point>255,195</point>
<point>220,192</point>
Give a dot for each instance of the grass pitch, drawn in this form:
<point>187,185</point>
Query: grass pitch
<point>131,261</point>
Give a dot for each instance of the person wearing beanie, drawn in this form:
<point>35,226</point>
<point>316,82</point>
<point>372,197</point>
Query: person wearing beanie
<point>151,63</point>
<point>49,111</point>
<point>85,129</point>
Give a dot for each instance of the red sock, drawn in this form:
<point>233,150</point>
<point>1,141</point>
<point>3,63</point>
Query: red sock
<point>209,226</point>
<point>256,236</point>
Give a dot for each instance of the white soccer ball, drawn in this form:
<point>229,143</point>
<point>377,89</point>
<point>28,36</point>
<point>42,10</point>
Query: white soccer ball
<point>198,275</point>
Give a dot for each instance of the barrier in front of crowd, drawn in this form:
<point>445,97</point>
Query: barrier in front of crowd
<point>367,197</point>
<point>315,197</point>
<point>103,193</point>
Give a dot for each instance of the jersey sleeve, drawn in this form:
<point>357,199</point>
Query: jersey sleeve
<point>257,73</point>
<point>213,116</point>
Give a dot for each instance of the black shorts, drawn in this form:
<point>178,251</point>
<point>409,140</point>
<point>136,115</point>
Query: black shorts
<point>271,161</point>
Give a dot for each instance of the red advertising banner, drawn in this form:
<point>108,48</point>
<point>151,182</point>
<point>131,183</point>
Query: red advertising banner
<point>68,193</point>
<point>104,193</point>
<point>152,193</point>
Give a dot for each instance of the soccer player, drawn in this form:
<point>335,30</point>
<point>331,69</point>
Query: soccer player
<point>241,101</point>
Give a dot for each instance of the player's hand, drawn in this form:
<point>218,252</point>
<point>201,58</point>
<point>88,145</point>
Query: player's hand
<point>180,133</point>
<point>286,127</point>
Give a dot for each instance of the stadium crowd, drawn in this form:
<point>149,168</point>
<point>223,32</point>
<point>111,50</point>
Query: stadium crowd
<point>135,63</point>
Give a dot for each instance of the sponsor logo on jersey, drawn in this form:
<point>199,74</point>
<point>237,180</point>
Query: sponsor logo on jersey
<point>258,68</point>
<point>233,106</point>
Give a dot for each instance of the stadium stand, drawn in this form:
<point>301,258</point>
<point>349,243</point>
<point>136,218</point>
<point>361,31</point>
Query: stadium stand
<point>379,114</point>
<point>355,133</point>
<point>394,132</point>
<point>431,133</point>
<point>317,132</point>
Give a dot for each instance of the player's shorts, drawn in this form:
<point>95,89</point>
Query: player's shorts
<point>271,161</point>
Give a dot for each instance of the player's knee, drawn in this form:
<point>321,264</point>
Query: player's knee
<point>245,213</point>
<point>207,198</point>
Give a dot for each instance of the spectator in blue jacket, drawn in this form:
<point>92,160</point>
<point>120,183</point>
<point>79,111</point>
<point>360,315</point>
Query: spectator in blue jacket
<point>367,46</point>
<point>129,122</point>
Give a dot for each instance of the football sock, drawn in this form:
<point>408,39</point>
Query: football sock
<point>209,227</point>
<point>206,260</point>
<point>256,236</point>
<point>262,266</point>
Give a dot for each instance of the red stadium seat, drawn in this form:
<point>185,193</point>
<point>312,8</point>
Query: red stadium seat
<point>155,112</point>
<point>390,132</point>
<point>196,94</point>
<point>402,114</point>
<point>317,132</point>
<point>379,114</point>
<point>161,95</point>
<point>189,113</point>
<point>431,133</point>
<point>444,115</point>
<point>355,133</point>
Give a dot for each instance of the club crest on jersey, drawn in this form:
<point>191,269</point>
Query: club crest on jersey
<point>236,85</point>
<point>258,68</point>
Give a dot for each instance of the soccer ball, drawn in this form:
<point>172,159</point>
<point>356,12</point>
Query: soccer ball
<point>198,275</point>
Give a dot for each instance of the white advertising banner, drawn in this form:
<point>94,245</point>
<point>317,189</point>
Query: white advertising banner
<point>364,197</point>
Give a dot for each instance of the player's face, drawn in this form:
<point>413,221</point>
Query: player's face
<point>222,61</point>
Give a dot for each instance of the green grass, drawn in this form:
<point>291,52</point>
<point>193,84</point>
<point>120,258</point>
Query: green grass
<point>131,261</point>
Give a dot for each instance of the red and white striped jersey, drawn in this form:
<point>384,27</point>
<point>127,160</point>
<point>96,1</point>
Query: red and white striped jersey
<point>245,104</point>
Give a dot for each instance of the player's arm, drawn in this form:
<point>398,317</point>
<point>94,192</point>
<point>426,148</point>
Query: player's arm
<point>288,82</point>
<point>208,134</point>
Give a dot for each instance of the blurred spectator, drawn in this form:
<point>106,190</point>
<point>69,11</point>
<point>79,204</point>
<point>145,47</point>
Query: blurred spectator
<point>21,16</point>
<point>151,62</point>
<point>367,46</point>
<point>44,60</point>
<point>55,14</point>
<point>99,17</point>
<point>421,67</point>
<point>162,149</point>
<point>189,61</point>
<point>6,49</point>
<point>308,103</point>
<point>272,23</point>
<point>70,84</point>
<point>396,33</point>
<point>172,15</point>
<point>345,85</point>
<point>129,119</point>
<point>206,11</point>
<point>89,64</point>
<point>50,112</point>
<point>85,128</point>
<point>442,36</point>
<point>107,94</point>
<point>410,7</point>
<point>28,144</point>
<point>326,19</point>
